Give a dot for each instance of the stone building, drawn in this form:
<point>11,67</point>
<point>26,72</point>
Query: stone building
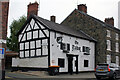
<point>105,33</point>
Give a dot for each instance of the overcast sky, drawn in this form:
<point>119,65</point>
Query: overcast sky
<point>99,9</point>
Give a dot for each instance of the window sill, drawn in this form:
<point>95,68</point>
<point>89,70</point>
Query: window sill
<point>108,50</point>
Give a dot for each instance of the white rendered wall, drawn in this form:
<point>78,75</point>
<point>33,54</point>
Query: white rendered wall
<point>56,52</point>
<point>41,62</point>
<point>30,59</point>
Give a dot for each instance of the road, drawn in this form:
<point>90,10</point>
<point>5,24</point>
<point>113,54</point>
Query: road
<point>41,76</point>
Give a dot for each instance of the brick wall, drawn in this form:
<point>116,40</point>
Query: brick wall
<point>95,29</point>
<point>4,8</point>
<point>32,9</point>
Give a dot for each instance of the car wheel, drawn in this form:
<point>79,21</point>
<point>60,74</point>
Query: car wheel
<point>114,76</point>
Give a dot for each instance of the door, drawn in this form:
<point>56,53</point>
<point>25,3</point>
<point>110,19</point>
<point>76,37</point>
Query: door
<point>70,64</point>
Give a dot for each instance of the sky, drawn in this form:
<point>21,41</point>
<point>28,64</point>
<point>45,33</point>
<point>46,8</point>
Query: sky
<point>99,9</point>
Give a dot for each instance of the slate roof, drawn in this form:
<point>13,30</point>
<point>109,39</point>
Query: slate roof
<point>99,21</point>
<point>60,28</point>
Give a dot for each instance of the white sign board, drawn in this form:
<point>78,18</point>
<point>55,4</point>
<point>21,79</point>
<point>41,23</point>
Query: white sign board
<point>2,53</point>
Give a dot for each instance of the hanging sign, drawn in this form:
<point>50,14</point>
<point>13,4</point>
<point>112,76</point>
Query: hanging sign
<point>2,53</point>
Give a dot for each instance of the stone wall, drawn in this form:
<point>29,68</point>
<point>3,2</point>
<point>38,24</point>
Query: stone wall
<point>96,29</point>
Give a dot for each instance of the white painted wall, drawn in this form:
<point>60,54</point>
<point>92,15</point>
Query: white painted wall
<point>56,52</point>
<point>38,62</point>
<point>41,62</point>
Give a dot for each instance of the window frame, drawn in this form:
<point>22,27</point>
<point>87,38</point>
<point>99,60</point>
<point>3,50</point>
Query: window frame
<point>61,62</point>
<point>108,45</point>
<point>86,63</point>
<point>108,33</point>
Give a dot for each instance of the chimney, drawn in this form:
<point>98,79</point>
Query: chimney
<point>32,9</point>
<point>82,7</point>
<point>52,18</point>
<point>109,21</point>
<point>4,8</point>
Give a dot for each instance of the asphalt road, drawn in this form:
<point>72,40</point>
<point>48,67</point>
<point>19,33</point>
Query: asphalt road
<point>22,76</point>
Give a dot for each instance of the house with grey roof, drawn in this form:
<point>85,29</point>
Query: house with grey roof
<point>44,43</point>
<point>107,36</point>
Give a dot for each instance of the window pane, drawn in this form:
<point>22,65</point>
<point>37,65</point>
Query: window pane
<point>108,45</point>
<point>61,62</point>
<point>117,36</point>
<point>86,63</point>
<point>117,47</point>
<point>108,33</point>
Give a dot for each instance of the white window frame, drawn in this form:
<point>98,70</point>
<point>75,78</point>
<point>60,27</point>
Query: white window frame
<point>117,60</point>
<point>108,59</point>
<point>117,47</point>
<point>117,36</point>
<point>109,45</point>
<point>108,33</point>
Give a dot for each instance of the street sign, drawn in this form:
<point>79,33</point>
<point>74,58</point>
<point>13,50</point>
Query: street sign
<point>2,53</point>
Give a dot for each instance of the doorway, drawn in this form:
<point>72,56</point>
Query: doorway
<point>72,64</point>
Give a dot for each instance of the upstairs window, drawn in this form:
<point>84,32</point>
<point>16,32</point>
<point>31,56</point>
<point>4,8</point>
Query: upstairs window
<point>108,45</point>
<point>108,33</point>
<point>117,47</point>
<point>65,47</point>
<point>117,36</point>
<point>86,50</point>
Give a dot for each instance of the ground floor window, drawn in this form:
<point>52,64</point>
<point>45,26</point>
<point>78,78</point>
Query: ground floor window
<point>86,63</point>
<point>61,62</point>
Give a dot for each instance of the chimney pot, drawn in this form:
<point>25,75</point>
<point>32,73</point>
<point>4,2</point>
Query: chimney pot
<point>52,18</point>
<point>109,21</point>
<point>32,9</point>
<point>82,7</point>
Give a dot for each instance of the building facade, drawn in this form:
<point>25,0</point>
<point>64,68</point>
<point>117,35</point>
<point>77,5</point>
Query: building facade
<point>43,43</point>
<point>107,36</point>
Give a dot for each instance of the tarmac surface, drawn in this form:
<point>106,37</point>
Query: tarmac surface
<point>43,75</point>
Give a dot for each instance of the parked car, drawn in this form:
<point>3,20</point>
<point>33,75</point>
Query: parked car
<point>110,71</point>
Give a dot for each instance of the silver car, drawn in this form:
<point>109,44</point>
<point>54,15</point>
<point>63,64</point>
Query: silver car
<point>111,71</point>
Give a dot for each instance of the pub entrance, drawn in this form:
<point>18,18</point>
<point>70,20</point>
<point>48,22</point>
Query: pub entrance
<point>72,63</point>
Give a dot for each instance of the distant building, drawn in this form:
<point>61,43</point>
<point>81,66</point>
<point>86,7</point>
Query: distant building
<point>107,36</point>
<point>44,43</point>
<point>119,14</point>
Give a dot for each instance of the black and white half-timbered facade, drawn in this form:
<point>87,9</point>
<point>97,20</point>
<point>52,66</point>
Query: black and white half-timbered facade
<point>43,43</point>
